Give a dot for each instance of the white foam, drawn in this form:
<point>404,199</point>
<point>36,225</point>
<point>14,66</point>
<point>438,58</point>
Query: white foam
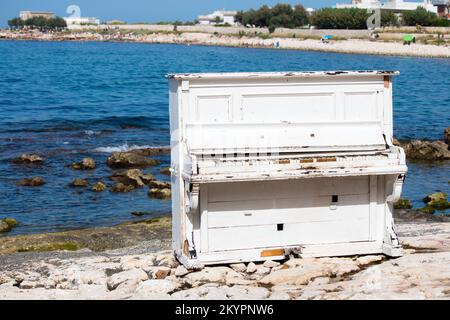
<point>124,148</point>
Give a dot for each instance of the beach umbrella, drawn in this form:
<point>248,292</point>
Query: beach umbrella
<point>408,37</point>
<point>328,37</point>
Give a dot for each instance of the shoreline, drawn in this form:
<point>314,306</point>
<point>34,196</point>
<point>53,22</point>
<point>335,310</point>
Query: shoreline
<point>347,46</point>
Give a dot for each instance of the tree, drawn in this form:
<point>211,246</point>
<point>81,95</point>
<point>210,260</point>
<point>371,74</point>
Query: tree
<point>424,18</point>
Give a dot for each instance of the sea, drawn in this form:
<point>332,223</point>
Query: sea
<point>70,100</point>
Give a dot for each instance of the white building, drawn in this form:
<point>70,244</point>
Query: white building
<point>396,5</point>
<point>218,17</point>
<point>25,15</point>
<point>78,21</point>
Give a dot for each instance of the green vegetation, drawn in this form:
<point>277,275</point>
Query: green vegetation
<point>40,23</point>
<point>52,247</point>
<point>280,16</point>
<point>178,23</point>
<point>421,17</point>
<point>403,204</point>
<point>352,18</point>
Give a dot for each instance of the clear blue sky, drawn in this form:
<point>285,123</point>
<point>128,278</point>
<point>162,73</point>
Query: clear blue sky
<point>142,10</point>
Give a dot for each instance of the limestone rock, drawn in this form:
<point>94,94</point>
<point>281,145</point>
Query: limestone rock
<point>165,171</point>
<point>208,274</point>
<point>162,194</point>
<point>99,187</point>
<point>167,260</point>
<point>160,185</point>
<point>85,164</point>
<point>129,277</point>
<point>134,177</point>
<point>181,271</point>
<point>160,272</point>
<point>437,200</point>
<point>120,187</point>
<point>32,182</point>
<point>79,183</point>
<point>251,268</point>
<point>29,158</point>
<point>129,160</point>
<point>426,150</point>
<point>4,227</point>
<point>403,204</point>
<point>271,264</point>
<point>151,287</point>
<point>8,224</point>
<point>238,267</point>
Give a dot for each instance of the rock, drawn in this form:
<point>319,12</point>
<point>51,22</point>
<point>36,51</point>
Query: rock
<point>133,177</point>
<point>129,160</point>
<point>294,276</point>
<point>33,182</point>
<point>99,187</point>
<point>4,227</point>
<point>79,183</point>
<point>447,136</point>
<point>148,152</point>
<point>208,274</point>
<point>437,200</point>
<point>29,158</point>
<point>144,262</point>
<point>214,292</point>
<point>238,267</point>
<point>403,204</point>
<point>251,268</point>
<point>85,164</point>
<point>428,210</point>
<point>167,260</point>
<point>426,150</point>
<point>271,264</point>
<point>12,223</point>
<point>120,187</point>
<point>368,260</point>
<point>261,270</point>
<point>129,277</point>
<point>181,271</point>
<point>151,287</point>
<point>165,170</point>
<point>160,185</point>
<point>160,272</point>
<point>160,193</point>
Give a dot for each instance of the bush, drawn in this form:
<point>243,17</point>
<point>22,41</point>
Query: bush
<point>424,18</point>
<point>40,23</point>
<point>352,18</point>
<point>280,16</point>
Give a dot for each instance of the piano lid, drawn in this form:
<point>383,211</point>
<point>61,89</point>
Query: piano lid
<point>287,74</point>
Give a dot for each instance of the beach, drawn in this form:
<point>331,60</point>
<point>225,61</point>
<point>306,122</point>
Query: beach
<point>148,270</point>
<point>353,43</point>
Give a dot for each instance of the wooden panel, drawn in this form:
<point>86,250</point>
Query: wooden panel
<point>293,107</point>
<point>361,106</point>
<point>213,109</point>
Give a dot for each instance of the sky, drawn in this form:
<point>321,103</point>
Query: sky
<point>142,10</point>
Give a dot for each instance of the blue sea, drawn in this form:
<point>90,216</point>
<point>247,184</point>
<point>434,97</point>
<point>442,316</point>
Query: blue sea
<point>69,100</point>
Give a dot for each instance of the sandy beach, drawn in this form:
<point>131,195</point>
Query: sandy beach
<point>355,46</point>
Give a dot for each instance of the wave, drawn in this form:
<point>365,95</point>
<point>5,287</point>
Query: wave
<point>126,147</point>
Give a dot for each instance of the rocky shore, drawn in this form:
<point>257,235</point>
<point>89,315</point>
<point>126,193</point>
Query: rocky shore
<point>148,270</point>
<point>355,46</point>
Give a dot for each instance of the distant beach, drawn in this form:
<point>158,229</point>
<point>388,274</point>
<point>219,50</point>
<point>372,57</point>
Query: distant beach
<point>344,41</point>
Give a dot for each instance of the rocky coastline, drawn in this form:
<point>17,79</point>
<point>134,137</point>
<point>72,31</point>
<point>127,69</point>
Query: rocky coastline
<point>354,46</point>
<point>145,268</point>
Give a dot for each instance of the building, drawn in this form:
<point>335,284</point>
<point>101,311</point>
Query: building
<point>25,15</point>
<point>81,21</point>
<point>443,7</point>
<point>394,5</point>
<point>218,17</point>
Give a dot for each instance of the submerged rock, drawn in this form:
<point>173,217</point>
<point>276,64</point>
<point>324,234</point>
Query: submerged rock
<point>99,187</point>
<point>437,200</point>
<point>32,182</point>
<point>8,224</point>
<point>129,160</point>
<point>426,150</point>
<point>133,177</point>
<point>85,164</point>
<point>151,151</point>
<point>428,210</point>
<point>403,204</point>
<point>79,183</point>
<point>120,187</point>
<point>160,185</point>
<point>29,158</point>
<point>160,193</point>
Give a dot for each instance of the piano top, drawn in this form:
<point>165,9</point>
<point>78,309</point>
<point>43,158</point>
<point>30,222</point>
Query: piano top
<point>287,74</point>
